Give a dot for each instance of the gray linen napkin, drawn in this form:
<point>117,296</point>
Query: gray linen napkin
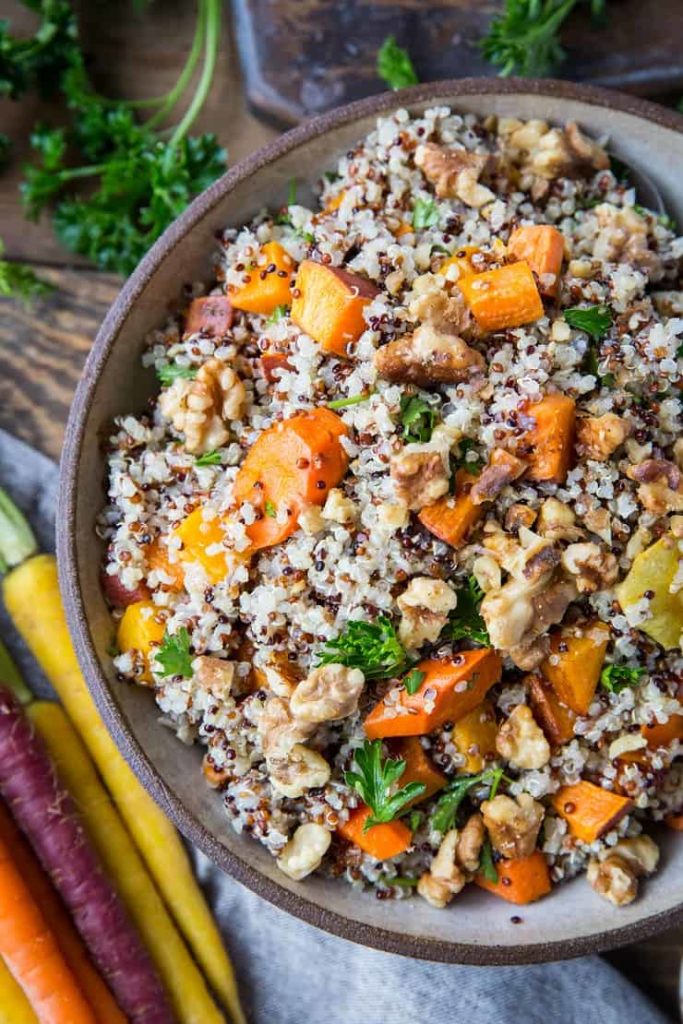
<point>291,973</point>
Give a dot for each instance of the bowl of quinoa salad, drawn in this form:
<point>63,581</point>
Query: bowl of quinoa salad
<point>373,522</point>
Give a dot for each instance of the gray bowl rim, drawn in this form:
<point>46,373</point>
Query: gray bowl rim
<point>296,903</point>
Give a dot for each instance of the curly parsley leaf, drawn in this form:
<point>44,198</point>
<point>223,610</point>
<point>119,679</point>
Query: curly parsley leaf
<point>445,812</point>
<point>39,61</point>
<point>594,320</point>
<point>486,864</point>
<point>425,213</point>
<point>173,654</point>
<point>173,371</point>
<point>17,281</point>
<point>465,622</point>
<point>212,458</point>
<point>414,680</point>
<point>615,678</point>
<point>376,783</point>
<point>417,418</point>
<point>394,65</point>
<point>373,647</point>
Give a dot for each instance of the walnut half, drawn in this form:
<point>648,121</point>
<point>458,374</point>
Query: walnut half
<point>202,408</point>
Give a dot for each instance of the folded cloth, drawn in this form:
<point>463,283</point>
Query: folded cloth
<point>291,973</point>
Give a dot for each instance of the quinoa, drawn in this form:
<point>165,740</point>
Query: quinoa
<point>351,557</point>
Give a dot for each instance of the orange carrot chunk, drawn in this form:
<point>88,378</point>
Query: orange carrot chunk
<point>574,664</point>
<point>380,841</point>
<point>462,259</point>
<point>419,767</point>
<point>589,810</point>
<point>269,282</point>
<point>555,718</point>
<point>475,737</point>
<point>450,689</point>
<point>453,516</point>
<point>675,821</point>
<point>502,298</point>
<point>520,881</point>
<point>139,630</point>
<point>548,445</point>
<point>661,735</point>
<point>290,465</point>
<point>328,305</point>
<point>211,314</point>
<point>542,246</point>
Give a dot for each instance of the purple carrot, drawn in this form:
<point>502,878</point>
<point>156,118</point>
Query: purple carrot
<point>46,813</point>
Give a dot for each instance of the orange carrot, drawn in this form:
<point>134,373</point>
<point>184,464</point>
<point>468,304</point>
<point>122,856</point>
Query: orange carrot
<point>380,841</point>
<point>555,718</point>
<point>450,689</point>
<point>211,314</point>
<point>32,954</point>
<point>158,560</point>
<point>328,305</point>
<point>58,921</point>
<point>502,298</point>
<point>334,202</point>
<point>589,810</point>
<point>453,516</point>
<point>140,630</point>
<point>542,246</point>
<point>662,735</point>
<point>462,259</point>
<point>269,282</point>
<point>574,664</point>
<point>675,821</point>
<point>419,767</point>
<point>520,881</point>
<point>548,445</point>
<point>475,737</point>
<point>291,464</point>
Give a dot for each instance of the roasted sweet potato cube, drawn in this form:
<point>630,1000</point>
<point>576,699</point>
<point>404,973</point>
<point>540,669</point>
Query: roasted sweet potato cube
<point>589,810</point>
<point>328,305</point>
<point>547,446</point>
<point>574,664</point>
<point>211,314</point>
<point>554,717</point>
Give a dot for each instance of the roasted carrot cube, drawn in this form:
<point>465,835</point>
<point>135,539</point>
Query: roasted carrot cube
<point>574,664</point>
<point>269,282</point>
<point>474,735</point>
<point>520,881</point>
<point>661,735</point>
<point>502,298</point>
<point>453,516</point>
<point>158,560</point>
<point>329,303</point>
<point>450,689</point>
<point>197,536</point>
<point>462,259</point>
<point>381,841</point>
<point>419,767</point>
<point>555,718</point>
<point>542,246</point>
<point>140,630</point>
<point>548,445</point>
<point>211,314</point>
<point>589,810</point>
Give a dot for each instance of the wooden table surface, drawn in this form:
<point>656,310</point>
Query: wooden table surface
<point>42,350</point>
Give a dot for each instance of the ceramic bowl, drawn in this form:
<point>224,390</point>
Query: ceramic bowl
<point>481,929</point>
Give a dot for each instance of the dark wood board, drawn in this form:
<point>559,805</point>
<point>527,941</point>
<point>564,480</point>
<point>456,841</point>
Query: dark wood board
<point>301,57</point>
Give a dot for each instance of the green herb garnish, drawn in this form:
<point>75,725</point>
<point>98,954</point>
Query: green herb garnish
<point>414,819</point>
<point>465,448</point>
<point>212,458</point>
<point>375,783</point>
<point>486,865</point>
<point>18,281</point>
<point>417,418</point>
<point>679,352</point>
<point>414,680</point>
<point>465,622</point>
<point>394,65</point>
<point>593,367</point>
<point>403,882</point>
<point>615,678</point>
<point>270,508</point>
<point>173,654</point>
<point>373,647</point>
<point>662,218</point>
<point>279,313</point>
<point>172,371</point>
<point>425,213</point>
<point>594,320</point>
<point>344,403</point>
<point>446,809</point>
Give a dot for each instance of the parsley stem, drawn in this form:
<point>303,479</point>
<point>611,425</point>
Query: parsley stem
<point>167,103</point>
<point>213,23</point>
<point>343,403</point>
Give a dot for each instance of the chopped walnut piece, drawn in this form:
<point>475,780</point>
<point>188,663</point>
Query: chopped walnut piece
<point>614,874</point>
<point>454,173</point>
<point>542,153</point>
<point>427,357</point>
<point>202,407</point>
<point>661,485</point>
<point>592,566</point>
<point>420,475</point>
<point>444,880</point>
<point>519,515</point>
<point>425,605</point>
<point>496,476</point>
<point>521,741</point>
<point>598,520</point>
<point>339,508</point>
<point>513,825</point>
<point>599,436</point>
<point>433,303</point>
<point>300,769</point>
<point>304,852</point>
<point>623,238</point>
<point>556,521</point>
<point>470,842</point>
<point>328,693</point>
<point>215,675</point>
<point>279,729</point>
<point>486,572</point>
<point>274,671</point>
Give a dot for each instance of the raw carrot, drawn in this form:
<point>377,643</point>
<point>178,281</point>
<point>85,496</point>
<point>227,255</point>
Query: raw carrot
<point>574,664</point>
<point>211,314</point>
<point>502,298</point>
<point>555,718</point>
<point>46,814</point>
<point>269,282</point>
<point>589,810</point>
<point>548,444</point>
<point>381,841</point>
<point>124,864</point>
<point>32,954</point>
<point>542,246</point>
<point>453,516</point>
<point>329,304</point>
<point>520,881</point>
<point>474,735</point>
<point>419,767</point>
<point>14,1006</point>
<point>32,598</point>
<point>58,921</point>
<point>450,689</point>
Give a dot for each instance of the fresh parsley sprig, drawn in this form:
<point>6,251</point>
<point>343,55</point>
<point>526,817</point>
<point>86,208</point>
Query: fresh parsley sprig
<point>376,783</point>
<point>615,678</point>
<point>373,647</point>
<point>18,281</point>
<point>417,418</point>
<point>394,65</point>
<point>174,371</point>
<point>212,458</point>
<point>173,654</point>
<point>414,680</point>
<point>486,863</point>
<point>445,812</point>
<point>425,214</point>
<point>593,320</point>
<point>465,622</point>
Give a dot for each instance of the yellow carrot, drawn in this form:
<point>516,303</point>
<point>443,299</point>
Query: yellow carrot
<point>14,1006</point>
<point>32,598</point>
